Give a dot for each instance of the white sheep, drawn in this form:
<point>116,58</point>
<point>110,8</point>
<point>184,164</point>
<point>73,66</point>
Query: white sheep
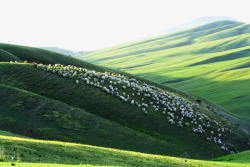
<point>171,121</point>
<point>162,99</point>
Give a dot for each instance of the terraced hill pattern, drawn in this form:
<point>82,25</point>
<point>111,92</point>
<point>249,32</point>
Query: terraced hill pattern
<point>211,61</point>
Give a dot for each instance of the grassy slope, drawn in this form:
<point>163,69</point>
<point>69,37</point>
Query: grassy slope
<point>6,56</point>
<point>242,157</point>
<point>44,56</point>
<point>20,53</point>
<point>39,117</point>
<point>207,61</point>
<point>171,139</point>
<point>54,87</point>
<point>57,154</point>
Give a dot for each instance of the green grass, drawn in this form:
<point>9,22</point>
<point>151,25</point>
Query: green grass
<point>54,153</point>
<point>242,157</point>
<point>6,56</point>
<point>32,115</point>
<point>11,164</point>
<point>164,138</point>
<point>210,61</point>
<point>44,56</point>
<point>50,122</point>
<point>46,106</point>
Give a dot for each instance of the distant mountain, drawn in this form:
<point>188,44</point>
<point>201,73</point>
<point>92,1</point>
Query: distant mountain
<point>63,51</point>
<point>196,22</point>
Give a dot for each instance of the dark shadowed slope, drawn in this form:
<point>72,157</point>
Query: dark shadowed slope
<point>39,117</point>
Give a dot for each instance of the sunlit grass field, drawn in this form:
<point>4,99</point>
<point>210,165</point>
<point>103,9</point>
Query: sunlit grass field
<point>31,152</point>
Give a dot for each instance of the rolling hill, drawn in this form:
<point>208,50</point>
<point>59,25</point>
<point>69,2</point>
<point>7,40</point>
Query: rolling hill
<point>38,102</point>
<point>32,152</point>
<point>32,115</point>
<point>64,51</point>
<point>60,50</point>
<point>242,157</point>
<point>211,61</point>
<point>97,102</point>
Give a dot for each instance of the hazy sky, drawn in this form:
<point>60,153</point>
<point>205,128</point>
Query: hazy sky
<point>95,24</point>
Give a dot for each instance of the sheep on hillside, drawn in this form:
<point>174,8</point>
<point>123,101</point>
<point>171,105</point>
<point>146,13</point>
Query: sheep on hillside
<point>146,97</point>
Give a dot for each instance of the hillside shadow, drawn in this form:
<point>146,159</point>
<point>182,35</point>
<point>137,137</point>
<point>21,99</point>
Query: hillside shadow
<point>230,56</point>
<point>247,65</point>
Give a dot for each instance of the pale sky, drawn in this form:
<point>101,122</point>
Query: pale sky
<point>85,25</point>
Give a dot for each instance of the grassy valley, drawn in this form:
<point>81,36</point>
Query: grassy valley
<point>211,61</point>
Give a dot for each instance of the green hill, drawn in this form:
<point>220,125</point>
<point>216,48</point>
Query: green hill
<point>45,105</point>
<point>32,115</point>
<point>20,53</point>
<point>95,101</point>
<point>33,152</point>
<point>6,56</point>
<point>60,50</point>
<point>211,61</point>
<point>242,157</point>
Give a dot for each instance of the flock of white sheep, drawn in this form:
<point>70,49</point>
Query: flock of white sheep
<point>178,111</point>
